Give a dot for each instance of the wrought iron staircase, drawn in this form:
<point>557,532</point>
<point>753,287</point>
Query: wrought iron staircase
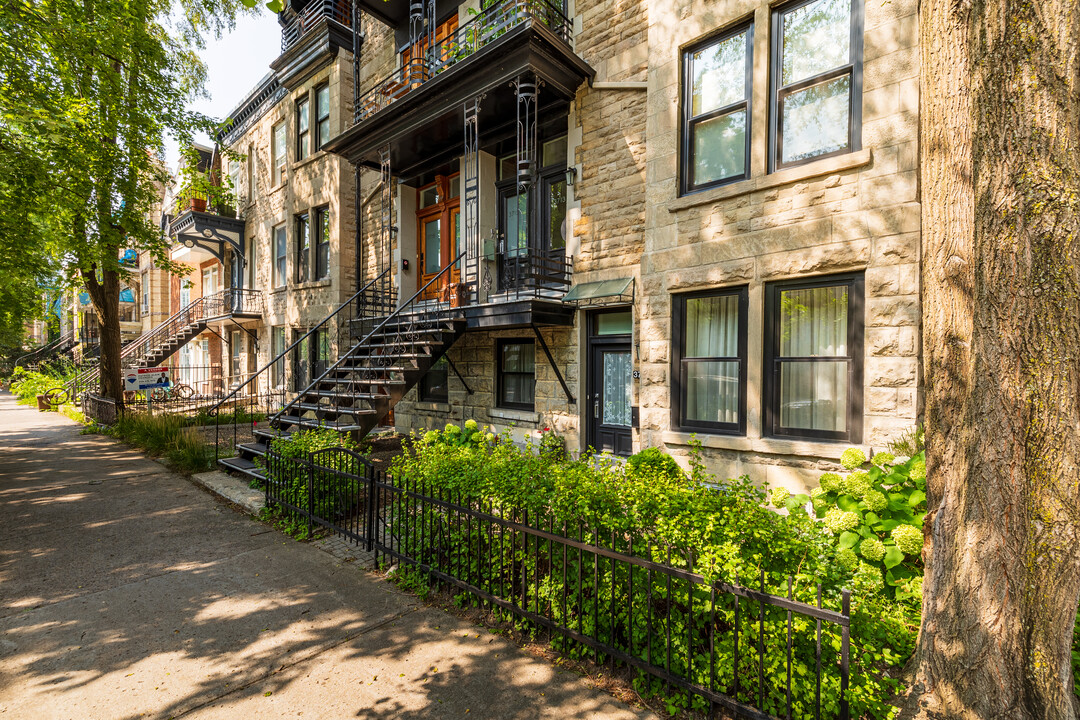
<point>61,345</point>
<point>157,345</point>
<point>394,351</point>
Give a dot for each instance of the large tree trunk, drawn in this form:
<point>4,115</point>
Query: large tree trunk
<point>105,296</point>
<point>1001,337</point>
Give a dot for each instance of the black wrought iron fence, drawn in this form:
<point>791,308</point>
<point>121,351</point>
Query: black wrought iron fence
<point>620,597</point>
<point>426,59</point>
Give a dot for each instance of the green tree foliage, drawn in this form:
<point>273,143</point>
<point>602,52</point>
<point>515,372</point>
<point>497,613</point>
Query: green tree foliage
<point>89,92</point>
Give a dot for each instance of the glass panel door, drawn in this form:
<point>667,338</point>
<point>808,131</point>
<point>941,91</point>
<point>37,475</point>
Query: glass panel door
<point>615,394</point>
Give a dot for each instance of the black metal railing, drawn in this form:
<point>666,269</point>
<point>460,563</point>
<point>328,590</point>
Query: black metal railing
<point>188,320</point>
<point>339,11</point>
<point>422,312</point>
<point>281,377</point>
<point>58,346</point>
<point>628,600</point>
<point>426,59</point>
<point>530,272</point>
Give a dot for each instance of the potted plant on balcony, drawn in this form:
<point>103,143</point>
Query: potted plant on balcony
<point>199,189</point>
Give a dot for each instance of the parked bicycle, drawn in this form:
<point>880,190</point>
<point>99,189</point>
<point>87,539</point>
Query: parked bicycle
<point>180,391</point>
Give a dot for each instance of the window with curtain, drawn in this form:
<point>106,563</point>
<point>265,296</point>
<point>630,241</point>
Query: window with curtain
<point>814,356</point>
<point>710,360</point>
<point>278,150</point>
<point>516,373</point>
<point>717,87</point>
<point>280,245</point>
<point>817,80</point>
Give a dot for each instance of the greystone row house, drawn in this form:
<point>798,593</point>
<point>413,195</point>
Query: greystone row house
<point>627,222</point>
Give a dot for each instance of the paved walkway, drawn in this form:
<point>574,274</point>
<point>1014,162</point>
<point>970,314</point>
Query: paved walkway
<point>127,592</point>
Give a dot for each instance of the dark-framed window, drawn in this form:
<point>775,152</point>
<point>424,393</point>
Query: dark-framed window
<point>717,87</point>
<point>816,80</point>
<point>320,352</point>
<point>814,358</point>
<point>322,243</point>
<point>303,247</point>
<point>278,150</point>
<point>515,371</point>
<point>281,244</point>
<point>709,360</point>
<point>303,129</point>
<point>322,116</point>
<point>301,358</point>
<point>434,386</point>
<point>518,210</point>
<point>277,350</point>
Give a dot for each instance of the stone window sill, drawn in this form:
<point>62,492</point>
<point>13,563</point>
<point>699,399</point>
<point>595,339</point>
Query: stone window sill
<point>431,407</point>
<point>278,290</point>
<point>277,188</point>
<point>309,159</point>
<point>528,416</point>
<point>765,446</point>
<point>827,166</point>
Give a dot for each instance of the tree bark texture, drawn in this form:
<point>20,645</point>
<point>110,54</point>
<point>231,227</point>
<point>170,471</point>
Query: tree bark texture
<point>105,297</point>
<point>1000,191</point>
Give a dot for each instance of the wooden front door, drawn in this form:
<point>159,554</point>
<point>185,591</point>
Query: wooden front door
<point>438,226</point>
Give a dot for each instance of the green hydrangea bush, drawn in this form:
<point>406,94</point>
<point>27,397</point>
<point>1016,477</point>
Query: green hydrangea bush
<point>875,513</point>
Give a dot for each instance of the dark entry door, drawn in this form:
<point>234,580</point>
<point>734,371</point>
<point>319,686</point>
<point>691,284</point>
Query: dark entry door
<point>608,411</point>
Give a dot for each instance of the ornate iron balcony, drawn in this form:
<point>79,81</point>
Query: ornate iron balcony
<point>307,19</point>
<point>428,59</point>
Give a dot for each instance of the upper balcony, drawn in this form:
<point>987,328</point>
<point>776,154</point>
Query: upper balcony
<point>418,110</point>
<point>199,235</point>
<point>310,35</point>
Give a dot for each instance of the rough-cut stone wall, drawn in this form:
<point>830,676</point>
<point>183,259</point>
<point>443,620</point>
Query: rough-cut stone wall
<point>320,180</point>
<point>474,356</point>
<point>854,212</point>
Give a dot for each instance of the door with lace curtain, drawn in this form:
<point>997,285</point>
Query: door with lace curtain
<point>608,411</point>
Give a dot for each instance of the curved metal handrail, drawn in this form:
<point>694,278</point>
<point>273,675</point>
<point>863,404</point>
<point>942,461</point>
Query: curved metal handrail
<point>46,348</point>
<point>213,410</point>
<point>419,294</point>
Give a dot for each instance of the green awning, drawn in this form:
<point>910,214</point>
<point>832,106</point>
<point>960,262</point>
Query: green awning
<point>601,291</point>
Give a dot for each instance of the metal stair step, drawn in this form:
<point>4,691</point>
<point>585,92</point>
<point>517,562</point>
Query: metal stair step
<point>259,449</point>
<point>339,425</point>
<point>245,467</point>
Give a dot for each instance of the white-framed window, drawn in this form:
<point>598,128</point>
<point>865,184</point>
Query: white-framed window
<point>279,153</point>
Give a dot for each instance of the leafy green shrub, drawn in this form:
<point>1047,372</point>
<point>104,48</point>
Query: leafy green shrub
<point>654,510</point>
<point>28,384</point>
<point>333,490</point>
<point>876,514</point>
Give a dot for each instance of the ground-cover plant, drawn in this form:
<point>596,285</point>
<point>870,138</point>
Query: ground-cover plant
<point>306,473</point>
<point>28,384</point>
<point>165,436</point>
<point>650,508</point>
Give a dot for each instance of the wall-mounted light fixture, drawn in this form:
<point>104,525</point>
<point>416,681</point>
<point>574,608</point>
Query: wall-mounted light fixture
<point>571,175</point>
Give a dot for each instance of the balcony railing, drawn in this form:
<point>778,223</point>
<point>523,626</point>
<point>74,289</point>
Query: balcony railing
<point>426,62</point>
<point>524,273</point>
<point>309,17</point>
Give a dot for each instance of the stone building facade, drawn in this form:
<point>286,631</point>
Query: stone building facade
<point>795,271</point>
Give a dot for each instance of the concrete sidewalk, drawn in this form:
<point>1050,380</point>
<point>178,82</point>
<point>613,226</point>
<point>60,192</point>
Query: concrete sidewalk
<point>127,592</point>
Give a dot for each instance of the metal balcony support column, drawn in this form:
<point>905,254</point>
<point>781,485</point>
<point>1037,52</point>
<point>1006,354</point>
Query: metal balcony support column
<point>417,13</point>
<point>473,251</point>
<point>515,272</point>
<point>386,207</point>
